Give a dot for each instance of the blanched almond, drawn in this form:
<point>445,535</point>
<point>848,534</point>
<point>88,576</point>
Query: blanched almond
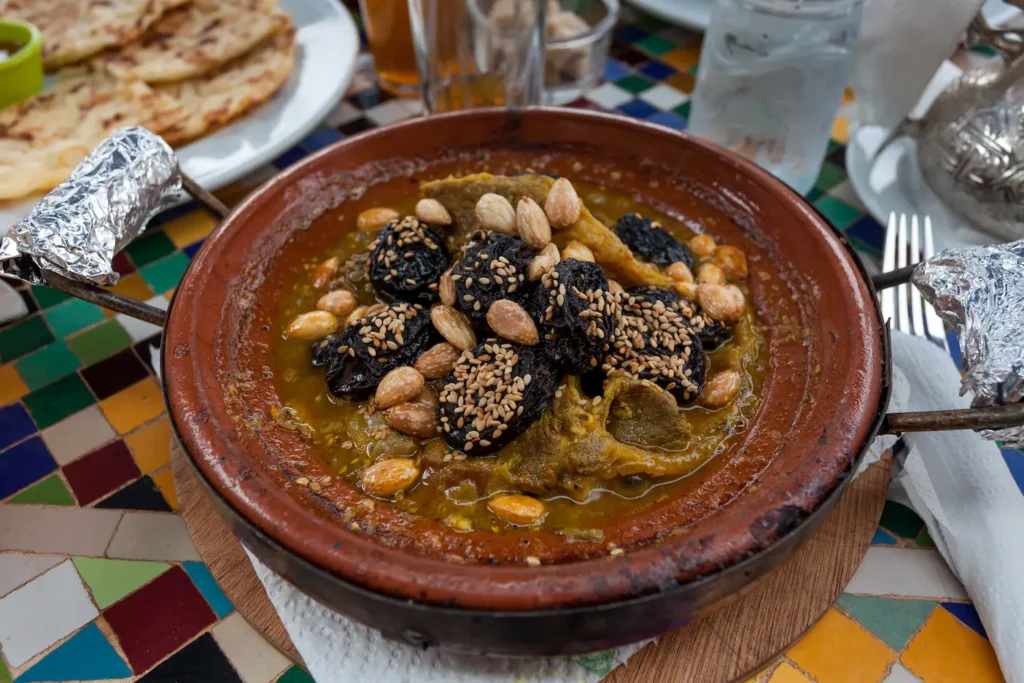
<point>357,313</point>
<point>446,289</point>
<point>398,386</point>
<point>578,251</point>
<point>733,261</point>
<point>389,476</point>
<point>703,246</point>
<point>494,212</point>
<point>680,272</point>
<point>340,302</point>
<point>721,302</point>
<point>413,419</point>
<point>311,326</point>
<point>375,218</point>
<point>711,274</point>
<point>433,212</point>
<point>687,290</point>
<point>510,321</point>
<point>437,361</point>
<point>547,258</point>
<point>427,397</point>
<point>720,389</point>
<point>521,510</point>
<point>454,326</point>
<point>376,308</point>
<point>562,206</point>
<point>615,288</point>
<point>325,272</point>
<point>532,224</point>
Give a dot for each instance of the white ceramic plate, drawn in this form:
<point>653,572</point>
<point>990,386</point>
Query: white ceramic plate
<point>328,45</point>
<point>693,14</point>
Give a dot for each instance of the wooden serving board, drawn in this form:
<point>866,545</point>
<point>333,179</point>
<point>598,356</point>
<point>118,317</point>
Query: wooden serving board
<point>728,646</point>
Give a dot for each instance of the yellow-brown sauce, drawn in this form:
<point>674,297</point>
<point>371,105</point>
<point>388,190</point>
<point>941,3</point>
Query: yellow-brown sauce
<point>349,436</point>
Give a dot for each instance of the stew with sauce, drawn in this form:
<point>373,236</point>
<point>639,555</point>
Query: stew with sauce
<point>518,351</point>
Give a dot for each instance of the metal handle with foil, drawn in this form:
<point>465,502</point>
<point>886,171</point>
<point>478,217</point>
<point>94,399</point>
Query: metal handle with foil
<point>892,278</point>
<point>121,304</point>
<point>69,239</point>
<point>980,290</point>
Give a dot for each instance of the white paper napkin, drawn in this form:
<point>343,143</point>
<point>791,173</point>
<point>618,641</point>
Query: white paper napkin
<point>339,650</point>
<point>960,485</point>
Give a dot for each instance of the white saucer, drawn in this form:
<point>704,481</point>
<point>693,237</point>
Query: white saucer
<point>892,182</point>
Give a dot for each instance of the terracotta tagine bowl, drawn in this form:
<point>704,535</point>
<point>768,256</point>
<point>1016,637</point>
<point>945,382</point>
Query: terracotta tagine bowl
<point>824,393</point>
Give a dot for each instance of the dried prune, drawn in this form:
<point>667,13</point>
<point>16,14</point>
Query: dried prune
<point>358,358</point>
<point>712,333</point>
<point>406,261</point>
<point>648,239</point>
<point>493,267</point>
<point>324,349</point>
<point>654,341</point>
<point>577,314</point>
<point>665,296</point>
<point>495,391</point>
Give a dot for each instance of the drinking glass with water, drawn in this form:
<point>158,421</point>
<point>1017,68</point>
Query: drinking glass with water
<point>771,79</point>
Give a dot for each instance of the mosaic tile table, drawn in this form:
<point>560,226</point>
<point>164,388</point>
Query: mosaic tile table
<point>99,579</point>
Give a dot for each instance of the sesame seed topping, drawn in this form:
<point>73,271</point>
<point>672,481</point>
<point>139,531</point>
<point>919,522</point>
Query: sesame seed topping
<point>653,339</point>
<point>485,392</point>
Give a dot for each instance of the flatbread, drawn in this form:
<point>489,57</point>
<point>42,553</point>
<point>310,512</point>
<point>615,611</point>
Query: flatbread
<point>215,99</point>
<point>76,29</point>
<point>198,39</point>
<point>42,139</point>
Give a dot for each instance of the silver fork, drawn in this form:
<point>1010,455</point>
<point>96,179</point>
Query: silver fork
<point>903,305</point>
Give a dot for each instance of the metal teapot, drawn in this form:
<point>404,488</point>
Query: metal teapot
<point>970,144</point>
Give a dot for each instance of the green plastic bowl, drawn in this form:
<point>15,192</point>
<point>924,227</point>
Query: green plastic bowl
<point>21,74</point>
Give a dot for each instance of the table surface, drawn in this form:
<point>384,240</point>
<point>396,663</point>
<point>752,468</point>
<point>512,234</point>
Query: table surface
<point>100,580</point>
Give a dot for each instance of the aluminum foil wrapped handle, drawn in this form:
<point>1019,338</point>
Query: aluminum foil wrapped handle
<point>69,240</point>
<point>78,228</point>
<point>980,290</point>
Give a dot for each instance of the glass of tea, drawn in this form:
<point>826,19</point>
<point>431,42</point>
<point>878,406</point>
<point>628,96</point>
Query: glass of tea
<point>478,53</point>
<point>390,37</point>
